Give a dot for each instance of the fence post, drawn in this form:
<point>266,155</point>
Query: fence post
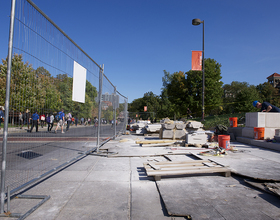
<point>114,111</point>
<point>101,70</point>
<point>7,102</point>
<point>125,115</point>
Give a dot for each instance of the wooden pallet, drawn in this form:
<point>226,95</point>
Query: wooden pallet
<point>172,168</point>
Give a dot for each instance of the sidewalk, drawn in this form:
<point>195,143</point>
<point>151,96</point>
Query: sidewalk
<point>45,128</point>
<point>117,187</point>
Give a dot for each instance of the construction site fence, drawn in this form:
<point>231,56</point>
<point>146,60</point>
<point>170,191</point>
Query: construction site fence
<point>46,73</point>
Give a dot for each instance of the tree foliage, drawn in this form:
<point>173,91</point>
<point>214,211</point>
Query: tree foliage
<point>37,89</point>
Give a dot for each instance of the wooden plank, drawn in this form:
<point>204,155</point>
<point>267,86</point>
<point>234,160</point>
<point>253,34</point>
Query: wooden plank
<point>192,169</point>
<point>153,165</point>
<point>197,166</point>
<point>182,162</point>
<point>157,145</point>
<point>156,141</point>
<point>169,168</point>
<point>182,172</point>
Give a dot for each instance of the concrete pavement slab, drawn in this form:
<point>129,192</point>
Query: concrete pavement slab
<point>98,187</point>
<point>258,163</point>
<point>216,197</point>
<point>98,200</point>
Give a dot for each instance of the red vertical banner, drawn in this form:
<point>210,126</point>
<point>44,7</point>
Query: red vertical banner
<point>197,60</point>
<point>145,108</point>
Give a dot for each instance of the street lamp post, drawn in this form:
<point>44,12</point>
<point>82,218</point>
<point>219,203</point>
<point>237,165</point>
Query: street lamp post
<point>197,21</point>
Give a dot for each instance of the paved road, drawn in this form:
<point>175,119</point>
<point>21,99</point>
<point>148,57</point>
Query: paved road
<point>31,154</point>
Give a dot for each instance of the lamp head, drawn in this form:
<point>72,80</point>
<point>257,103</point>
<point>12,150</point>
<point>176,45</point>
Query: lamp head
<point>196,21</point>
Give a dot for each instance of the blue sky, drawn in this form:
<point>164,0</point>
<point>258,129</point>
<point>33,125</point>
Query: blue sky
<point>137,39</point>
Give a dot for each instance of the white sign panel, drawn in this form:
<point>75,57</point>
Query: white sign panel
<point>79,83</point>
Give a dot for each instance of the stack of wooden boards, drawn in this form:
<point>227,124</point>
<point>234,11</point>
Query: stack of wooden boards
<point>177,168</point>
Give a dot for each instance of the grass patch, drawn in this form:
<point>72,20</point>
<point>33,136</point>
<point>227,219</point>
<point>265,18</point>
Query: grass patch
<point>210,122</point>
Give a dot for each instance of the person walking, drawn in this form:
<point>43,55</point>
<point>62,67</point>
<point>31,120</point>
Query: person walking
<point>35,121</point>
<point>76,121</point>
<point>2,116</point>
<point>26,118</point>
<point>61,121</point>
<point>266,107</point>
<point>69,120</point>
<point>50,126</point>
<point>20,118</point>
<point>42,119</point>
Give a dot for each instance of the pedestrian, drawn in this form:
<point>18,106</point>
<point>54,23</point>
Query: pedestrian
<point>20,118</point>
<point>266,107</point>
<point>42,119</point>
<point>82,121</point>
<point>2,116</point>
<point>35,121</point>
<point>76,121</point>
<point>189,113</point>
<point>61,121</point>
<point>26,118</point>
<point>89,121</point>
<point>48,120</point>
<point>51,120</point>
<point>68,119</point>
<point>95,121</point>
<point>112,122</point>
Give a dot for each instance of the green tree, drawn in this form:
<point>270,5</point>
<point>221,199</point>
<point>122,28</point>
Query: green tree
<point>176,91</point>
<point>268,93</point>
<point>152,102</point>
<point>213,88</point>
<point>245,98</point>
<point>29,88</point>
<point>230,94</point>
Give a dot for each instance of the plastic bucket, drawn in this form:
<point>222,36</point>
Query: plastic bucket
<point>233,122</point>
<point>259,133</point>
<point>224,141</point>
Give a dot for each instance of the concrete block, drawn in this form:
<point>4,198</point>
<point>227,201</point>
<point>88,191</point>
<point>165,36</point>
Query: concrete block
<point>168,126</point>
<point>255,119</point>
<point>180,134</point>
<point>237,131</point>
<point>196,138</point>
<point>244,140</point>
<point>248,132</point>
<point>272,120</point>
<point>141,131</point>
<point>153,127</point>
<point>277,138</point>
<point>194,124</point>
<point>180,126</point>
<point>167,134</point>
<point>269,132</point>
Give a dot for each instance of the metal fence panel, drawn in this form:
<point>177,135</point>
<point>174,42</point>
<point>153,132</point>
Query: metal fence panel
<point>42,81</point>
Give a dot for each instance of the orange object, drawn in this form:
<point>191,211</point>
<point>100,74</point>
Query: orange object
<point>224,141</point>
<point>259,133</point>
<point>197,60</point>
<point>233,122</point>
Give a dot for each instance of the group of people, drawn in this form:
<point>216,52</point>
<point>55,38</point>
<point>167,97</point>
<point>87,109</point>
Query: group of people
<point>49,118</point>
<point>85,121</point>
